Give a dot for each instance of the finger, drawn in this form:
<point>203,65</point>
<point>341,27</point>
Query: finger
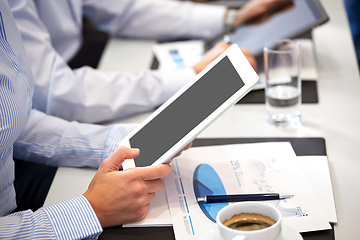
<point>143,213</point>
<point>185,148</point>
<point>113,162</point>
<point>251,59</point>
<point>286,7</point>
<point>223,45</point>
<point>154,185</point>
<point>265,18</point>
<point>254,9</point>
<point>188,146</point>
<point>253,62</point>
<point>273,3</point>
<point>245,51</point>
<point>217,50</point>
<point>209,56</point>
<point>151,196</point>
<point>154,172</point>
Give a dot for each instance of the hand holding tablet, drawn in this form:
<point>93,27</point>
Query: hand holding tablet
<point>302,17</point>
<point>193,108</point>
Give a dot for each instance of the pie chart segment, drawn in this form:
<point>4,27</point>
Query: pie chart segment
<point>207,182</point>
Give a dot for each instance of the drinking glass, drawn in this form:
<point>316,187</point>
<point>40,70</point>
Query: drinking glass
<point>282,63</point>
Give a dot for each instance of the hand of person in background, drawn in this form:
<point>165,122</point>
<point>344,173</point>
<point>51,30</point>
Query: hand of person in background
<point>185,148</point>
<point>256,7</point>
<point>119,197</point>
<point>216,51</point>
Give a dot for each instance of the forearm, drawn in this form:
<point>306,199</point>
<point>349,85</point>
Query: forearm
<point>160,20</point>
<point>92,96</point>
<point>99,96</point>
<point>54,141</point>
<point>71,219</point>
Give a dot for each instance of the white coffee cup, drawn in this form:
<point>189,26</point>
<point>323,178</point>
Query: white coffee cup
<point>270,233</point>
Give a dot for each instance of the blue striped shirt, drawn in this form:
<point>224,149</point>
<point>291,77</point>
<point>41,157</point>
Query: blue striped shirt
<point>86,94</point>
<point>34,136</point>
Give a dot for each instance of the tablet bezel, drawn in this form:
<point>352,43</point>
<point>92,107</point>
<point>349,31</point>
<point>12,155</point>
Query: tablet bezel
<point>243,69</point>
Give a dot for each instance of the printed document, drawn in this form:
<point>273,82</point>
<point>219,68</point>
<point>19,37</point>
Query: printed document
<point>236,169</point>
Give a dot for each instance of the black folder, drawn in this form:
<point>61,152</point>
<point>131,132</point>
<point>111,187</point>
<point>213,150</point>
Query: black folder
<point>301,146</point>
<point>309,92</point>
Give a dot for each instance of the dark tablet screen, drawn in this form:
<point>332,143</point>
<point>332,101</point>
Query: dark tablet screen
<point>186,112</point>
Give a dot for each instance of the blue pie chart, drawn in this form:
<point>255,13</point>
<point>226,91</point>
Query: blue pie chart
<point>207,182</point>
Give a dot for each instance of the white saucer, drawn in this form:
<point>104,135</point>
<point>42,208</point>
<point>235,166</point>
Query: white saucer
<point>288,234</point>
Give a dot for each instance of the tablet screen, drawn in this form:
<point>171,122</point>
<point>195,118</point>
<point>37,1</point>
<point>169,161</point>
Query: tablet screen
<point>186,112</point>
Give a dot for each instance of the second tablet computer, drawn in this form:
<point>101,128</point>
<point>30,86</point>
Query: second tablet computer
<point>194,107</point>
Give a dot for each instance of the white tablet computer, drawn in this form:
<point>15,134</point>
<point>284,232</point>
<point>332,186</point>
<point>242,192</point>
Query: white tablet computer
<point>194,107</point>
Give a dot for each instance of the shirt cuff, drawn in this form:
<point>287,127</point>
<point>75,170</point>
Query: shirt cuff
<point>207,21</point>
<point>73,219</point>
<point>176,79</point>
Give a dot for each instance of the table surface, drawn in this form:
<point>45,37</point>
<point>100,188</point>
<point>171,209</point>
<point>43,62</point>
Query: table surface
<point>334,118</point>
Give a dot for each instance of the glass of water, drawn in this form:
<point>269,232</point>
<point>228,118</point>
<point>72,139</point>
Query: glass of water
<point>282,63</point>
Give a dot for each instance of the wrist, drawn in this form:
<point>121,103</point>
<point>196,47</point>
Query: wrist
<point>230,19</point>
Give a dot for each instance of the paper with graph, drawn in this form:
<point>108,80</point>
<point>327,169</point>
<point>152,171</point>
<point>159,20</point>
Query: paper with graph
<point>234,169</point>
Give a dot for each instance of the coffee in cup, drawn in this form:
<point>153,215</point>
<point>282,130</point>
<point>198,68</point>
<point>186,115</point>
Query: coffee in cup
<point>249,221</point>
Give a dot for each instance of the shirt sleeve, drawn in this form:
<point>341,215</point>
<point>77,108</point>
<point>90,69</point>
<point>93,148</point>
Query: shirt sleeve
<point>88,95</point>
<point>57,142</point>
<point>70,219</point>
<point>156,19</point>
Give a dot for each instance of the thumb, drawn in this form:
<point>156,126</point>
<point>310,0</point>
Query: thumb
<point>113,162</point>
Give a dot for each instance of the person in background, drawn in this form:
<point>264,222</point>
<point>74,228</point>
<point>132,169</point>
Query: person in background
<point>114,197</point>
<point>353,10</point>
<point>51,31</point>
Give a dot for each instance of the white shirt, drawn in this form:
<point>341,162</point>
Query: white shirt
<point>32,135</point>
<point>51,31</point>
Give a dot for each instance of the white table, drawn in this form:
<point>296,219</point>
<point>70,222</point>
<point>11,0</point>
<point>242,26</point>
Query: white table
<point>335,117</point>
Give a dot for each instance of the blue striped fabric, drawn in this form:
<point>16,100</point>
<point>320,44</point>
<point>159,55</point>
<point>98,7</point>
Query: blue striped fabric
<point>2,28</point>
<point>75,214</point>
<point>32,135</point>
<point>71,219</point>
<point>15,101</point>
<point>57,142</point>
